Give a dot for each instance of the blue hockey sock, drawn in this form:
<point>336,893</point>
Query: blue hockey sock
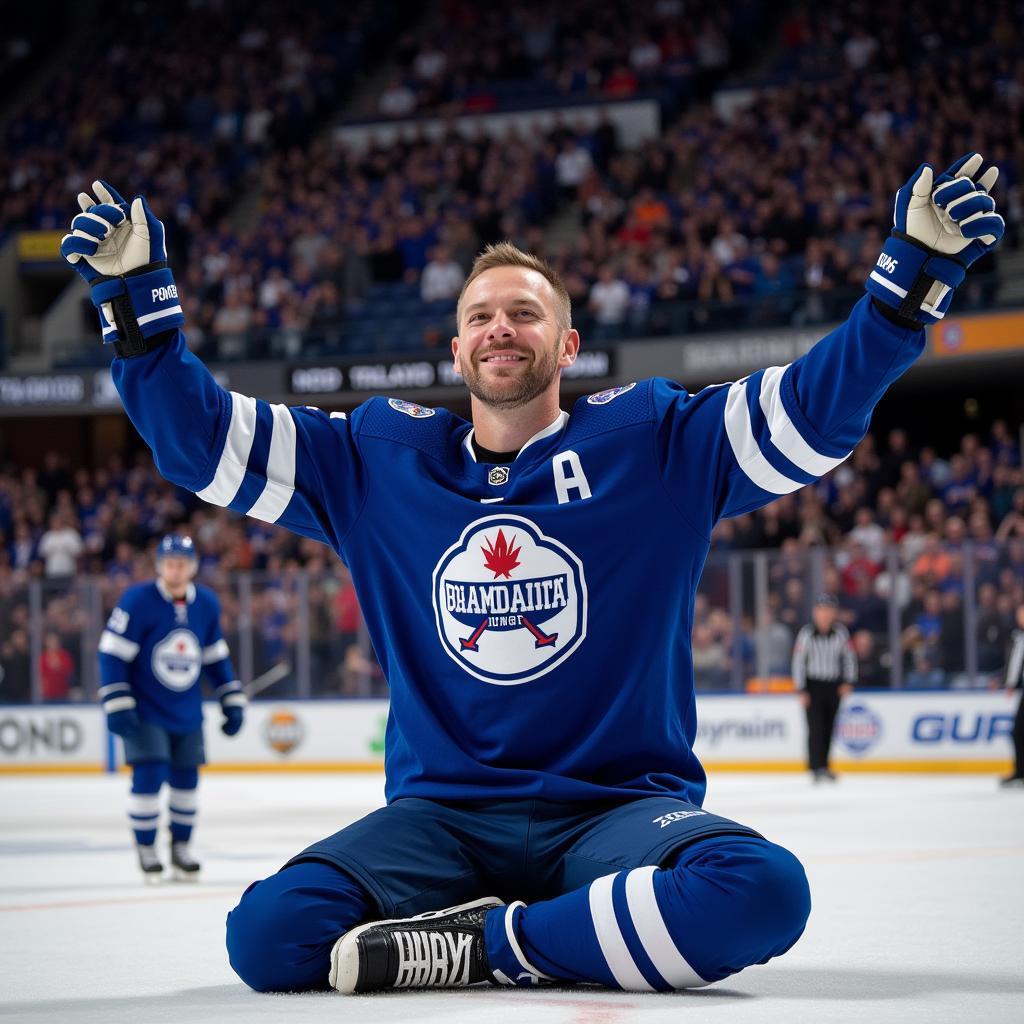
<point>144,800</point>
<point>183,803</point>
<point>725,904</point>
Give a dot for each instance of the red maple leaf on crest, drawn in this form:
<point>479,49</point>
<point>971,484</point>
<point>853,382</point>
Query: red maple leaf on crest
<point>500,556</point>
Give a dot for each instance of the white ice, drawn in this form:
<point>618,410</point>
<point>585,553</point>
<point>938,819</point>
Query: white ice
<point>917,881</point>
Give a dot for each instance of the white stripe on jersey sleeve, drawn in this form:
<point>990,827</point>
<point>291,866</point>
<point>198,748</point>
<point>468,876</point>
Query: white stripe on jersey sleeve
<point>118,704</point>
<point>118,646</point>
<point>783,431</point>
<point>745,448</point>
<point>216,652</point>
<point>280,468</point>
<point>111,688</point>
<point>651,929</point>
<point>609,937</point>
<point>235,456</point>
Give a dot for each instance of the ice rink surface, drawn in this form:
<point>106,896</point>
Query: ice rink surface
<point>918,887</point>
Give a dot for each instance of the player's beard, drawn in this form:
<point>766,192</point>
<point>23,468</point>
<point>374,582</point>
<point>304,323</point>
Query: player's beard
<point>518,391</point>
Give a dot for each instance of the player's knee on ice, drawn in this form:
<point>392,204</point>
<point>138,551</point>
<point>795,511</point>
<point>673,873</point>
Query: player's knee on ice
<point>280,935</point>
<point>743,901</point>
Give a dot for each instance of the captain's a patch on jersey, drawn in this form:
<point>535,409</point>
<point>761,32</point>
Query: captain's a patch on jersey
<point>604,397</point>
<point>417,412</point>
<point>510,602</point>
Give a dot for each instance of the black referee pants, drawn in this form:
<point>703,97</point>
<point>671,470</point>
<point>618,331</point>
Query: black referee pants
<point>1018,740</point>
<point>821,717</point>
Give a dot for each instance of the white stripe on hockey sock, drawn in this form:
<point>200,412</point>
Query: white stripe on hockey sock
<point>280,468</point>
<point>143,805</point>
<point>184,800</point>
<point>744,445</point>
<point>650,926</point>
<point>188,819</point>
<point>784,433</point>
<point>514,943</point>
<point>613,946</point>
<point>235,456</point>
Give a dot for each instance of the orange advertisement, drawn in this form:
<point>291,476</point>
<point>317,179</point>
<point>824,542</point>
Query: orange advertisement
<point>970,335</point>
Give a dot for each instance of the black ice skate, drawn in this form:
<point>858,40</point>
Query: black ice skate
<point>152,869</point>
<point>184,865</point>
<point>441,949</point>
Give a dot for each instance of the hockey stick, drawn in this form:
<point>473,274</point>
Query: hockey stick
<point>268,678</point>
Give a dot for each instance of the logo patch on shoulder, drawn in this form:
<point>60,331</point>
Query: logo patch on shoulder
<point>417,412</point>
<point>510,602</point>
<point>604,397</point>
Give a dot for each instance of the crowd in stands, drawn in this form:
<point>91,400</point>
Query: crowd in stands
<point>469,58</point>
<point>767,210</point>
<point>771,215</point>
<point>179,104</point>
<point>894,525</point>
<point>891,522</point>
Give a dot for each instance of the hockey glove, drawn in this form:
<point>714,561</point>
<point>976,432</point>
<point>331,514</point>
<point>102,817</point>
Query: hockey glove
<point>119,250</point>
<point>124,723</point>
<point>234,715</point>
<point>939,229</point>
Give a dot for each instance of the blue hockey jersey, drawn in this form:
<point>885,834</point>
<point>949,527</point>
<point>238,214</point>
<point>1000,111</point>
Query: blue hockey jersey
<point>154,650</point>
<point>532,619</point>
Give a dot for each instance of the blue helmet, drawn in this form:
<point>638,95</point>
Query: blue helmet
<point>173,546</point>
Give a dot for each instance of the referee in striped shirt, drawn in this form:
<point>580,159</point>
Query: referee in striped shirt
<point>824,671</point>
<point>1015,681</point>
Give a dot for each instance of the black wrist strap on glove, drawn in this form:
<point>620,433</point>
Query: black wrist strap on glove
<point>131,341</point>
<point>894,317</point>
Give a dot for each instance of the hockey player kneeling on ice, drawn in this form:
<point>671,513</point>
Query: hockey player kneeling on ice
<point>157,643</point>
<point>524,578</point>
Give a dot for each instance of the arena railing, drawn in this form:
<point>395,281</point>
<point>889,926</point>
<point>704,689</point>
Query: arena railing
<point>940,621</point>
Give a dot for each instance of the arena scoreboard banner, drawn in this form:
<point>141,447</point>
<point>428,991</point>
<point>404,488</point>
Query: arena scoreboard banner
<point>955,731</point>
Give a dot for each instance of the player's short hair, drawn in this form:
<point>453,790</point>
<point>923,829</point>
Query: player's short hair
<point>505,254</point>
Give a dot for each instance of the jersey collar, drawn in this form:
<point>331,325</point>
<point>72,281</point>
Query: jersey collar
<point>556,427</point>
<point>190,593</point>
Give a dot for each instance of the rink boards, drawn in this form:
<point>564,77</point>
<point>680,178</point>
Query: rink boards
<point>925,731</point>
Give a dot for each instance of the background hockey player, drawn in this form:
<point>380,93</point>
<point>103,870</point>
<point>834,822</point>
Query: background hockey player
<point>523,580</point>
<point>159,640</point>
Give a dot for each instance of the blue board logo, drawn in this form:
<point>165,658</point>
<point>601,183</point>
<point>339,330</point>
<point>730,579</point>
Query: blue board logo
<point>510,603</point>
<point>857,728</point>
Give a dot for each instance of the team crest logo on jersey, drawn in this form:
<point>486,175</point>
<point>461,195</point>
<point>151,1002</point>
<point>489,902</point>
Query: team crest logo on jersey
<point>498,476</point>
<point>604,397</point>
<point>177,659</point>
<point>417,412</point>
<point>510,603</point>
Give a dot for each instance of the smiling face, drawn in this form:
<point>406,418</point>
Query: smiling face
<point>512,342</point>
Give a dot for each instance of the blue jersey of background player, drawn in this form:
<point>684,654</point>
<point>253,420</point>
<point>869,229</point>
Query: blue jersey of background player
<point>528,583</point>
<point>158,642</point>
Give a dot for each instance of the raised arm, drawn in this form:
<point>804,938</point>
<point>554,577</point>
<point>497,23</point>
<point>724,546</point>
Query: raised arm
<point>267,461</point>
<point>783,427</point>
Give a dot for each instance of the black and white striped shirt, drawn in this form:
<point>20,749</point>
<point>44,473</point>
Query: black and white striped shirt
<point>1015,663</point>
<point>823,656</point>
